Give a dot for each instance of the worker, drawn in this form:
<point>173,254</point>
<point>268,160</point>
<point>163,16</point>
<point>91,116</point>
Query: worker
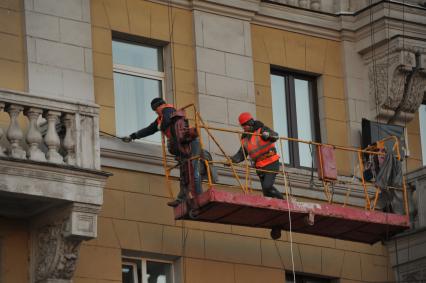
<point>165,122</point>
<point>262,152</point>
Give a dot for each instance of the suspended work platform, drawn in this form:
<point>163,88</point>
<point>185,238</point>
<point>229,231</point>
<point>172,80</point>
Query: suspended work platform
<point>323,218</point>
<point>336,221</point>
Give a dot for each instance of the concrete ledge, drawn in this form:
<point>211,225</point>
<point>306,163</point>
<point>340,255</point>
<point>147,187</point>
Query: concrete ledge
<point>26,184</point>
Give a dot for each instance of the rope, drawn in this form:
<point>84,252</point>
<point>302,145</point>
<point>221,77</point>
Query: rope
<point>171,27</point>
<point>289,214</point>
<point>108,134</point>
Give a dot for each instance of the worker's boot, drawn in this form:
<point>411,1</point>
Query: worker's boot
<point>174,203</point>
<point>273,193</point>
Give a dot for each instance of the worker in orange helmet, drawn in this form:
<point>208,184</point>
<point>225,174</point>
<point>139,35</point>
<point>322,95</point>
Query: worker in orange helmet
<point>262,152</point>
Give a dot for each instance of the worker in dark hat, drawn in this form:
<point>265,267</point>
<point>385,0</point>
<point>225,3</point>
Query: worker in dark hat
<point>164,123</point>
<point>258,144</point>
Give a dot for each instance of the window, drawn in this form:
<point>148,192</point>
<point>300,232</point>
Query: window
<point>295,115</point>
<point>138,78</point>
<point>146,271</point>
<point>422,117</point>
<point>305,279</point>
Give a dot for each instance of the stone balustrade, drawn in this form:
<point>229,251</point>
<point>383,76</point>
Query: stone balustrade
<point>49,130</point>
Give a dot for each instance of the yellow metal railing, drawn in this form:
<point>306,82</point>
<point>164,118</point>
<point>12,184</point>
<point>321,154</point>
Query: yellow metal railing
<point>370,202</point>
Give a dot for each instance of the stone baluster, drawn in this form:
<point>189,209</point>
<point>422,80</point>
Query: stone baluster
<point>69,139</point>
<point>52,139</point>
<point>14,132</point>
<point>303,3</point>
<point>2,149</point>
<point>316,5</point>
<point>34,137</point>
<point>292,2</point>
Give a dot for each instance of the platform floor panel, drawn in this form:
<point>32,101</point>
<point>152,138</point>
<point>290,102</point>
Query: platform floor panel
<point>329,220</point>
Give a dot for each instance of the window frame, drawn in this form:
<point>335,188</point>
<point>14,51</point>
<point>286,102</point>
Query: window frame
<point>141,73</point>
<point>290,98</point>
<point>143,262</point>
<point>135,269</point>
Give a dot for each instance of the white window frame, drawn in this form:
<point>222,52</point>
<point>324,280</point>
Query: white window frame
<point>143,261</point>
<point>146,74</point>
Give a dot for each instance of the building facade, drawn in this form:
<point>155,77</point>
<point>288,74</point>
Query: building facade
<point>79,205</point>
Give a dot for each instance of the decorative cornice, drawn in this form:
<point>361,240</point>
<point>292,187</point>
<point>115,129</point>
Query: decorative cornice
<point>335,26</point>
<point>397,80</point>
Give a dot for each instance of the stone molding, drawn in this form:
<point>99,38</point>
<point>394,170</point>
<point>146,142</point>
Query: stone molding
<point>47,185</point>
<point>353,26</point>
<point>60,104</point>
<point>57,236</point>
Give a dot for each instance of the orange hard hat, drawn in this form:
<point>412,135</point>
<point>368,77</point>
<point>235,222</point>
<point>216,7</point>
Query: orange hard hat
<point>244,118</point>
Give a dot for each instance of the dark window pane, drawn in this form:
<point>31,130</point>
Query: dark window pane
<point>159,272</point>
<point>128,273</point>
<point>141,56</point>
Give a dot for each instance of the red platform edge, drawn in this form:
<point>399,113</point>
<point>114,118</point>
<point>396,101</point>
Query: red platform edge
<point>330,220</point>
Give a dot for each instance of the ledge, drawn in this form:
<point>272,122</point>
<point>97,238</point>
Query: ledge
<point>28,187</point>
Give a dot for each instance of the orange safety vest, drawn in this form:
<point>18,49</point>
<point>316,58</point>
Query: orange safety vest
<point>167,132</point>
<point>260,151</point>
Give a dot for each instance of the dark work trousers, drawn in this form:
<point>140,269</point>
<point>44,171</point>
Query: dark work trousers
<point>188,171</point>
<point>267,180</point>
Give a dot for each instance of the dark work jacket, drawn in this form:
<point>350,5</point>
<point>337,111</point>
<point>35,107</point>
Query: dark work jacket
<point>273,137</point>
<point>153,127</point>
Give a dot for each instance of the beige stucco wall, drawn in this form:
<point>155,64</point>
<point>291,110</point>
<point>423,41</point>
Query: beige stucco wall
<point>305,54</point>
<point>148,20</point>
<point>14,251</point>
<point>135,217</point>
<point>12,53</point>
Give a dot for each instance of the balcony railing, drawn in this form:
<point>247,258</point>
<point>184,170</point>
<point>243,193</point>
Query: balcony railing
<point>49,130</point>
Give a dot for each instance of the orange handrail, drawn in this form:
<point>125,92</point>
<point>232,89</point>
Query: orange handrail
<point>370,150</point>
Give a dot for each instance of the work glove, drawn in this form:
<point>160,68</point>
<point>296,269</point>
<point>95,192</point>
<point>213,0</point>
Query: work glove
<point>265,136</point>
<point>129,138</point>
<point>126,139</point>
